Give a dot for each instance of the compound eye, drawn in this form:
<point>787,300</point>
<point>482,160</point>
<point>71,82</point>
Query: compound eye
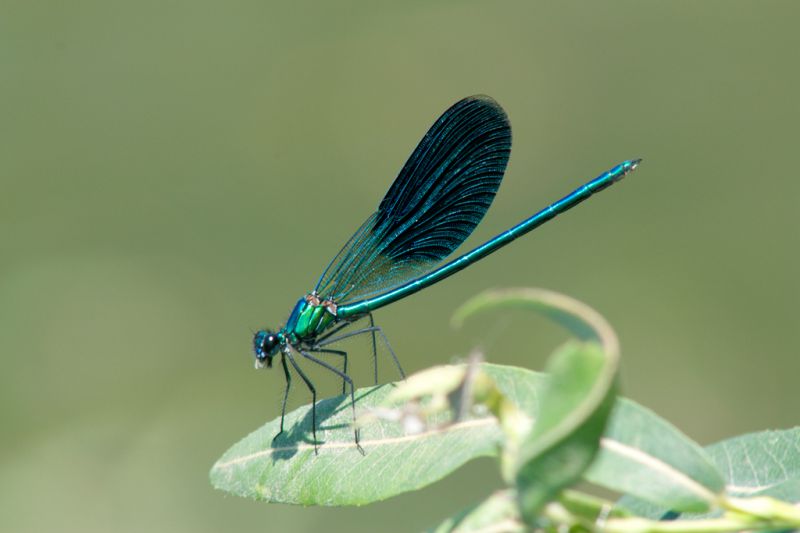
<point>270,342</point>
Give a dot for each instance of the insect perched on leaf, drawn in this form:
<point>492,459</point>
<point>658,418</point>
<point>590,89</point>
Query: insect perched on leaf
<point>434,204</point>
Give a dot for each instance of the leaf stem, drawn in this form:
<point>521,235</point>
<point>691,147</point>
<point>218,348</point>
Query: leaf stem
<point>711,525</point>
<point>764,508</point>
<point>582,511</point>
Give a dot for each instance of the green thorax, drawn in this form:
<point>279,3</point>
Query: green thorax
<point>310,317</point>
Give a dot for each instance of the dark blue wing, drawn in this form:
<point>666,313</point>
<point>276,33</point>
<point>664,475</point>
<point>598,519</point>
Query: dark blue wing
<point>437,200</point>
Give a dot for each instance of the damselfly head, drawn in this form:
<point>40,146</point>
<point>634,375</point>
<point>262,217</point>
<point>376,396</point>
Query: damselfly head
<point>265,345</point>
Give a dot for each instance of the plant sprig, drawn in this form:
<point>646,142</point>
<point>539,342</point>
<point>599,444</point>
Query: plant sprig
<point>548,431</point>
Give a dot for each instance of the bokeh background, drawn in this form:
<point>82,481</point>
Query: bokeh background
<point>176,174</point>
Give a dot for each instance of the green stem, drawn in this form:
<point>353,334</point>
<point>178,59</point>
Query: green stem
<point>578,510</point>
<point>711,525</point>
<point>588,506</point>
<point>765,508</point>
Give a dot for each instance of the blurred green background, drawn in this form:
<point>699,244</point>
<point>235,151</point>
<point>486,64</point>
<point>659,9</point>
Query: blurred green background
<point>175,174</point>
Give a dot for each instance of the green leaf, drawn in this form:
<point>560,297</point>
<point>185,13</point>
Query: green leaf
<point>641,453</point>
<point>766,463</point>
<point>645,456</point>
<point>498,512</point>
<point>393,463</point>
<point>579,319</point>
<point>575,407</point>
<point>577,402</point>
